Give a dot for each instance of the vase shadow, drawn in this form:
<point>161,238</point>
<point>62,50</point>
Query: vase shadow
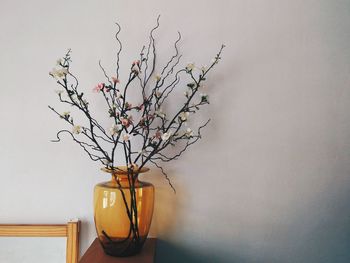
<point>168,252</point>
<point>167,207</point>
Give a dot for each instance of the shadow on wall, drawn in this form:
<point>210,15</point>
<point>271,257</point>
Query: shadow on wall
<point>168,208</point>
<point>170,253</point>
<point>317,233</point>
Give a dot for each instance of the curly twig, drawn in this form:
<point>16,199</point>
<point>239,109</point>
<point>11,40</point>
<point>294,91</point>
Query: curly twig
<point>151,43</point>
<point>82,144</point>
<point>165,174</point>
<point>120,49</point>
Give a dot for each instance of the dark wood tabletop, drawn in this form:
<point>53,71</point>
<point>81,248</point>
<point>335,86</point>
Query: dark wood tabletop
<point>95,254</point>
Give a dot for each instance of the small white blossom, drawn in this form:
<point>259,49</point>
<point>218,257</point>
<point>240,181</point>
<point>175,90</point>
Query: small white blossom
<point>190,66</point>
<point>214,61</point>
<point>66,114</point>
<point>184,115</point>
<point>126,137</point>
<point>189,133</point>
<point>115,129</point>
<point>76,129</point>
<point>204,68</point>
<point>166,136</point>
<point>59,62</point>
<point>157,77</point>
<point>158,94</point>
<point>74,97</point>
<point>59,92</point>
<point>59,73</point>
<point>160,113</point>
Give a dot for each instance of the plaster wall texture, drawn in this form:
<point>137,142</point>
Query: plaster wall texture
<point>270,180</point>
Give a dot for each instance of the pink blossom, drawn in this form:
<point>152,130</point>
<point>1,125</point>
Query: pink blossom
<point>150,116</point>
<point>136,68</point>
<point>99,87</point>
<point>158,134</point>
<point>136,62</point>
<point>142,122</point>
<point>125,122</point>
<point>115,80</point>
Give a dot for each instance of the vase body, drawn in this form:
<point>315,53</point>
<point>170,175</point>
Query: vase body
<point>123,209</point>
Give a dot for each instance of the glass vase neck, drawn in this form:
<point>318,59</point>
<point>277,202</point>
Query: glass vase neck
<point>123,172</point>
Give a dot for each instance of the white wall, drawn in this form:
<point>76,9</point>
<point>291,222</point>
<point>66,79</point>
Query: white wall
<point>270,180</point>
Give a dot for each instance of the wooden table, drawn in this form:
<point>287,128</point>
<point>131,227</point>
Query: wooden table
<point>95,254</point>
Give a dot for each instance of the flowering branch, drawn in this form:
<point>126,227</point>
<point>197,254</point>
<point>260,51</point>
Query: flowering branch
<point>156,128</point>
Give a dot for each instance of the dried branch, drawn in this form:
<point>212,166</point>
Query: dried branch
<point>119,49</point>
<point>81,144</point>
<point>165,174</point>
<point>151,43</point>
<point>156,129</point>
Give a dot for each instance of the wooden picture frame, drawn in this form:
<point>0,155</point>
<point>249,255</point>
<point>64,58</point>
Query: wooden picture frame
<point>69,230</point>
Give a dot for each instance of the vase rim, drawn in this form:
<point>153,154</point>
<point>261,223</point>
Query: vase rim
<point>123,170</point>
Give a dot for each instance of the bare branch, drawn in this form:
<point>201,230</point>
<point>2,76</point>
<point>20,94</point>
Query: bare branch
<point>151,43</point>
<point>119,50</point>
<point>82,144</point>
<point>165,174</point>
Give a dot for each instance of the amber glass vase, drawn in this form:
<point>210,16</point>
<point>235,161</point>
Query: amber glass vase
<point>123,209</point>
